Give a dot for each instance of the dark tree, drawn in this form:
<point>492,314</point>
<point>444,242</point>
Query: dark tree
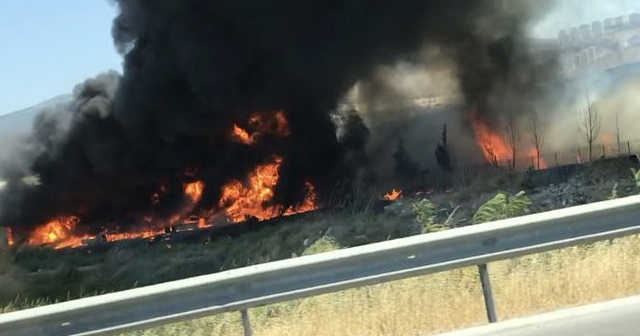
<point>443,155</point>
<point>405,165</point>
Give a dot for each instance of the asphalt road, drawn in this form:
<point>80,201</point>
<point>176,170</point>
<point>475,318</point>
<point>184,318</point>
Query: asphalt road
<point>612,318</point>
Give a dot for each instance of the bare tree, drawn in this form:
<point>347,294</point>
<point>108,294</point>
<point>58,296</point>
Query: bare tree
<point>589,125</point>
<point>537,137</point>
<point>513,137</point>
<point>492,157</point>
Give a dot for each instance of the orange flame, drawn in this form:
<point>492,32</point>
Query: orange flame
<point>239,200</point>
<point>261,124</point>
<point>242,136</point>
<point>57,232</point>
<point>242,201</point>
<point>494,148</point>
<point>10,239</point>
<point>393,195</point>
<point>133,235</point>
<point>309,203</point>
<point>534,155</point>
<point>194,190</point>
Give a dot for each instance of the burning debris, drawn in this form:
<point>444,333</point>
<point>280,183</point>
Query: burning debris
<point>393,195</point>
<point>227,108</point>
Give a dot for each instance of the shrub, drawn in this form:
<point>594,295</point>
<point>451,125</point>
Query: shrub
<point>636,177</point>
<point>425,212</point>
<point>503,206</point>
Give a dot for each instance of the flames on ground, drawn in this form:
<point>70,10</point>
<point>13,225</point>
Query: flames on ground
<point>244,200</point>
<point>240,200</point>
<point>495,147</point>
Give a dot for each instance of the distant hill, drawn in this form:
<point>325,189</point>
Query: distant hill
<point>20,122</point>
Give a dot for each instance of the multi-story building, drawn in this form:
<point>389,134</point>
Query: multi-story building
<point>600,45</point>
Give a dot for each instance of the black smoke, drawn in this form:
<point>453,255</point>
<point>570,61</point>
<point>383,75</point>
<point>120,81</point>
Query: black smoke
<point>489,60</point>
<point>194,68</point>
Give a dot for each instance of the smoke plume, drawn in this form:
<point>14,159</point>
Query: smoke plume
<point>194,68</point>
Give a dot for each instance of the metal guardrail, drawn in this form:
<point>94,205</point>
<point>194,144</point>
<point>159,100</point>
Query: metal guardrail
<point>254,286</point>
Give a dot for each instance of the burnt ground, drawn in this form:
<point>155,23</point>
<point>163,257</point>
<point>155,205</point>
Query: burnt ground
<point>43,273</point>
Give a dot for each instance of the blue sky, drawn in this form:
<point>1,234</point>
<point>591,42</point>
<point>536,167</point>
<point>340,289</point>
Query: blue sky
<point>48,46</point>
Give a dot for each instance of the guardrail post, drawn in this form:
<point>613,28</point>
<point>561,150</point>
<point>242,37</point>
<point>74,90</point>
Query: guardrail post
<point>487,293</point>
<point>246,323</point>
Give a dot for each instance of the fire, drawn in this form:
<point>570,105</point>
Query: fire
<point>534,156</point>
<point>393,195</point>
<point>309,203</point>
<point>58,232</point>
<point>261,124</point>
<point>194,190</point>
<point>242,201</point>
<point>143,234</point>
<point>10,240</point>
<point>239,200</point>
<point>493,146</point>
<point>242,136</point>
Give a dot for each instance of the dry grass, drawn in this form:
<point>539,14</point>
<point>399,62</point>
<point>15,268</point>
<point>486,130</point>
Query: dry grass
<point>446,301</point>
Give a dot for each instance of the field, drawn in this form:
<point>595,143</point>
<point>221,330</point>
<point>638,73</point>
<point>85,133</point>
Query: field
<point>446,301</point>
<point>35,276</point>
